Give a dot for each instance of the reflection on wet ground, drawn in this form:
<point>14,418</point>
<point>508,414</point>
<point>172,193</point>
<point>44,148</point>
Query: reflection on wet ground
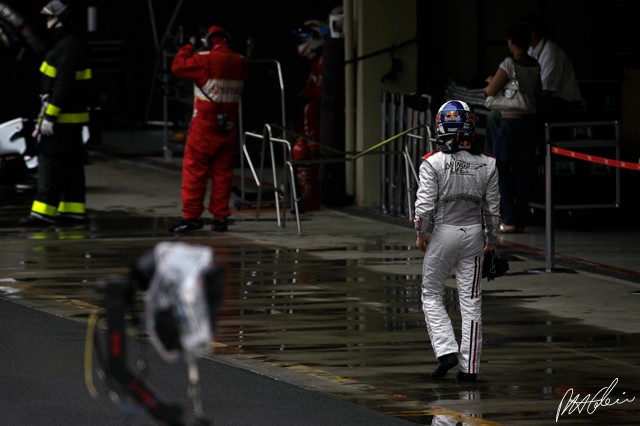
<point>348,321</point>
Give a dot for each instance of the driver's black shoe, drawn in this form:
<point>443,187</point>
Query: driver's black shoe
<point>466,377</point>
<point>446,363</point>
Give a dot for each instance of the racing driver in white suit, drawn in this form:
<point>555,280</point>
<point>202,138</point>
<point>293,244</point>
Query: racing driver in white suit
<point>457,219</point>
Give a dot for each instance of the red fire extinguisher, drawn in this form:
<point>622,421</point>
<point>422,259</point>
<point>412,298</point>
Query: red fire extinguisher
<point>304,178</point>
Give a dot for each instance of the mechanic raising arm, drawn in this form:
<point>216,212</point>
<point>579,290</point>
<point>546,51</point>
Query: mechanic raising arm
<point>218,74</point>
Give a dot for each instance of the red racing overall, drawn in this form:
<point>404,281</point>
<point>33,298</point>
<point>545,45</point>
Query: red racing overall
<point>219,76</point>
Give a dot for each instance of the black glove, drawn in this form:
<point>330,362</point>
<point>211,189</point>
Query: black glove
<point>493,266</point>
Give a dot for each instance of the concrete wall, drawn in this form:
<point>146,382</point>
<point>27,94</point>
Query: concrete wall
<point>376,25</point>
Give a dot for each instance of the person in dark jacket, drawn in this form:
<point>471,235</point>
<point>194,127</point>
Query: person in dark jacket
<point>66,77</point>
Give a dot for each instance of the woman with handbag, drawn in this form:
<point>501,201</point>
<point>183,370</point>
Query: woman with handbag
<point>513,90</point>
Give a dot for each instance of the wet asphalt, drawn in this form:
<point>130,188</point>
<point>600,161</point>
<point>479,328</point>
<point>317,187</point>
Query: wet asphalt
<point>324,327</point>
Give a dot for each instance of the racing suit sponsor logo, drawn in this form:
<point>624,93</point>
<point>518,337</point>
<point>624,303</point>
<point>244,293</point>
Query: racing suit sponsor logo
<point>457,166</point>
<point>461,167</point>
<point>461,197</point>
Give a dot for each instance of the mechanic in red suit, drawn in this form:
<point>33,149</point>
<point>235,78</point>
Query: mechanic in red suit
<point>219,74</point>
<point>310,42</point>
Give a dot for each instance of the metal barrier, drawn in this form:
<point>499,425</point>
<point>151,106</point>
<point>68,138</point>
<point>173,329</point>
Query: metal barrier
<point>582,137</point>
<point>401,154</point>
<point>401,158</point>
<point>592,137</point>
<point>283,184</point>
<point>277,70</point>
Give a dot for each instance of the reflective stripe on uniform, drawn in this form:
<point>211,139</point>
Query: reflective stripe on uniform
<point>42,208</point>
<point>80,117</point>
<point>84,74</point>
<point>48,70</point>
<point>67,207</point>
<point>66,117</point>
<point>51,71</point>
<point>52,110</point>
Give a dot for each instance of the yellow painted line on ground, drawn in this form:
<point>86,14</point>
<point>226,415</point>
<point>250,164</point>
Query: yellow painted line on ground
<point>54,297</point>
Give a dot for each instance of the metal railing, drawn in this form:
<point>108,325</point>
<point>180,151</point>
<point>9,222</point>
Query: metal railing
<point>407,136</point>
<point>589,135</point>
<point>284,181</point>
<point>401,158</point>
<point>587,140</point>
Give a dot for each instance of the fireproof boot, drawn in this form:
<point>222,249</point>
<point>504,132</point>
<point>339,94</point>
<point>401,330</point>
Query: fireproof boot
<point>71,220</point>
<point>36,220</point>
<point>187,225</point>
<point>446,363</point>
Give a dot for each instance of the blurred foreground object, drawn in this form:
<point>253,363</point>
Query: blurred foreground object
<point>182,290</point>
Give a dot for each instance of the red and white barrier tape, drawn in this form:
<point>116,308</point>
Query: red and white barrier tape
<point>595,159</point>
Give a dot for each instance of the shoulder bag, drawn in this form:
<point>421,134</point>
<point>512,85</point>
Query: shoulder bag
<point>510,97</point>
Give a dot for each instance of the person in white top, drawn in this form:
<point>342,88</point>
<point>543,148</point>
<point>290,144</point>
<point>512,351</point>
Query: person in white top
<point>515,140</point>
<point>560,96</point>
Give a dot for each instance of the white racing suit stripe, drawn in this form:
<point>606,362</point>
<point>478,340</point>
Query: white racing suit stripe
<point>220,90</point>
<point>461,246</point>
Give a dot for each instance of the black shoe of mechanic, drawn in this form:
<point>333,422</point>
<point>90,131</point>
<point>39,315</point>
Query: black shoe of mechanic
<point>466,377</point>
<point>446,363</point>
<point>187,225</point>
<point>220,225</point>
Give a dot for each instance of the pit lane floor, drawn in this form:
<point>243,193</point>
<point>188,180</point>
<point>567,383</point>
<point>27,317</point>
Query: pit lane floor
<point>337,309</point>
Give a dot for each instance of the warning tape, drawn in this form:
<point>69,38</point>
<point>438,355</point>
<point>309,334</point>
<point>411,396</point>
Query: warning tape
<point>355,155</point>
<point>595,159</point>
<point>386,141</point>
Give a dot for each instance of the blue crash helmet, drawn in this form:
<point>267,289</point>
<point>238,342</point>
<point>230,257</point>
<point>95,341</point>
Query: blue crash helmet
<point>456,127</point>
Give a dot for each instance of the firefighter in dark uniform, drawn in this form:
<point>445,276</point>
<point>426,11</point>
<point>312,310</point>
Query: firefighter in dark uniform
<point>66,77</point>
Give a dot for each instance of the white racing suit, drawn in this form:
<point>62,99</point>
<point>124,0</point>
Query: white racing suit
<point>458,195</point>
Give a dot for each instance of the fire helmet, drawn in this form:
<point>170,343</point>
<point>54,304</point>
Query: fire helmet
<point>311,36</point>
<point>58,13</point>
<point>456,127</point>
<point>54,8</point>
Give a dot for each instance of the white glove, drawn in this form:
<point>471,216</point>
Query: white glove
<point>46,127</point>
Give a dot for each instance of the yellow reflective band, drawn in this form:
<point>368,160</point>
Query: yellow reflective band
<point>42,208</point>
<point>79,117</point>
<point>65,207</point>
<point>51,71</point>
<point>52,110</point>
<point>71,236</point>
<point>84,74</point>
<point>48,70</point>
